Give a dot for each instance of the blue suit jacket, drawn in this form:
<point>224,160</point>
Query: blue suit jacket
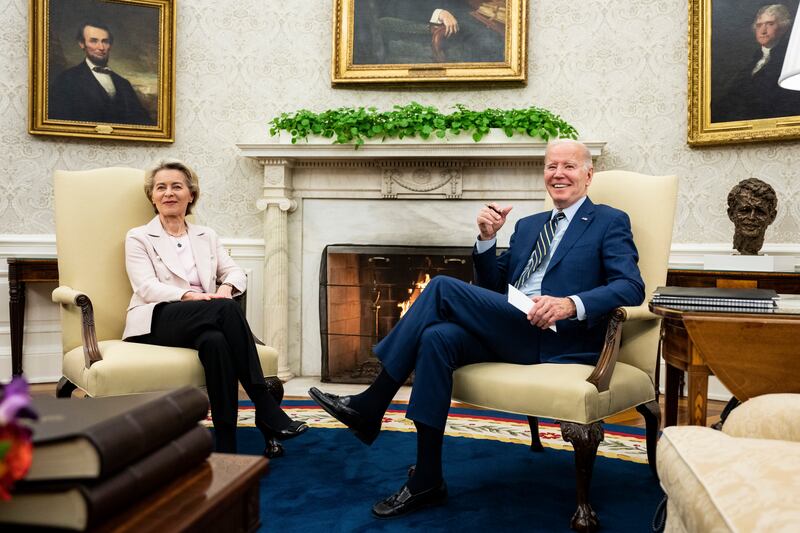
<point>595,260</point>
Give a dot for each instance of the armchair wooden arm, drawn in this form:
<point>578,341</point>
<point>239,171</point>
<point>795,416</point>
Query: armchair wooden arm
<point>68,296</point>
<point>601,375</point>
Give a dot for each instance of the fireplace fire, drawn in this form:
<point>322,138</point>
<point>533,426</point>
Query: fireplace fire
<point>364,290</point>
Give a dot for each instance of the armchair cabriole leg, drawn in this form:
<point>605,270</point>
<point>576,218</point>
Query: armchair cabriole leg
<point>65,388</point>
<point>585,438</point>
<point>536,443</point>
<point>652,419</point>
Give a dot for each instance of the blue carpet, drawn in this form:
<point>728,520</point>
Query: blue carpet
<point>328,481</point>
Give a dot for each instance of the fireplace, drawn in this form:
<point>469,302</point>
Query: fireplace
<point>364,290</point>
<point>402,192</point>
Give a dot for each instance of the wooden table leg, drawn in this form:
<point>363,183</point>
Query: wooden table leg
<point>671,395</point>
<point>698,389</point>
<point>16,311</point>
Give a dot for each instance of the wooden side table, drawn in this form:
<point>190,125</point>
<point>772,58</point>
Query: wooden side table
<point>20,272</point>
<point>222,494</point>
<point>680,353</point>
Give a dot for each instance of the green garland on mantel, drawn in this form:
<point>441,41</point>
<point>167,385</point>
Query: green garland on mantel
<point>354,125</point>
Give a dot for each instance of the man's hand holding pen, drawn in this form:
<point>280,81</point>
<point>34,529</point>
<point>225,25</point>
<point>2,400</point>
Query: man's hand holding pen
<point>490,219</point>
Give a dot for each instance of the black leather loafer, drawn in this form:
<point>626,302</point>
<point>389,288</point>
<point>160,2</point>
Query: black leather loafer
<point>403,502</point>
<point>294,429</point>
<point>339,408</point>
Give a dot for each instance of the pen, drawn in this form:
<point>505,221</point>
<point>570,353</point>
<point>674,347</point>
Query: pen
<point>494,209</point>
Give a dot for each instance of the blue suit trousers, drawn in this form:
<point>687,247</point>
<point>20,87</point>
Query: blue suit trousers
<point>450,325</point>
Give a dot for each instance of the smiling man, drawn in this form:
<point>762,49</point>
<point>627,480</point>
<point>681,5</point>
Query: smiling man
<point>577,262</point>
<point>92,92</point>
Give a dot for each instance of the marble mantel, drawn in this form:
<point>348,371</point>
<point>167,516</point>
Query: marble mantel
<point>355,195</point>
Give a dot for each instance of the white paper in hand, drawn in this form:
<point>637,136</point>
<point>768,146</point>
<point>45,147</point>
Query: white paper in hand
<point>521,301</point>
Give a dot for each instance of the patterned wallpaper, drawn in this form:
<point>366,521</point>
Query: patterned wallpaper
<point>616,69</point>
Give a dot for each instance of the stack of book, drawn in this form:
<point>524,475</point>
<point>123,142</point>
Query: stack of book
<point>493,11</point>
<point>716,299</point>
<point>95,457</point>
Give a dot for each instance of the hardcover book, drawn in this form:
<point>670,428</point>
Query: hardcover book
<point>94,437</point>
<point>79,505</point>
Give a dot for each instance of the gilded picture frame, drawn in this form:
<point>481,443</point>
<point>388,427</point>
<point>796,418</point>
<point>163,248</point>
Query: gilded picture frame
<point>418,41</point>
<point>102,69</point>
<point>733,92</point>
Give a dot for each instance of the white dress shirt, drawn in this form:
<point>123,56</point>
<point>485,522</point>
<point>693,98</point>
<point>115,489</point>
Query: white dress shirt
<point>533,285</point>
<point>104,79</point>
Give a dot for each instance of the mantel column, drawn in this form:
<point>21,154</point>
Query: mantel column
<point>277,204</point>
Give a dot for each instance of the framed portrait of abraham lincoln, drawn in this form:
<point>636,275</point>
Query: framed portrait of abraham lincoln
<point>419,41</point>
<point>737,50</point>
<point>103,69</point>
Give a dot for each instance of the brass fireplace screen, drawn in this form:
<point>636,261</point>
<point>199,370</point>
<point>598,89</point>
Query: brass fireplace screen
<point>364,290</point>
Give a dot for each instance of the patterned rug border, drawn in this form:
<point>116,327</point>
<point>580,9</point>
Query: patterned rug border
<point>621,442</point>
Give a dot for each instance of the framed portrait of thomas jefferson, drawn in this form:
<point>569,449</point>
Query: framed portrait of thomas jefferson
<point>103,69</point>
<point>418,41</point>
<point>736,53</point>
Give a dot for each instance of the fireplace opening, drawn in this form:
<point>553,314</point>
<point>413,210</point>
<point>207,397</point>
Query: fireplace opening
<point>364,290</point>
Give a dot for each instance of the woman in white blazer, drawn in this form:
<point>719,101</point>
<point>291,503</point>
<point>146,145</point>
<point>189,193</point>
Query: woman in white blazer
<point>183,281</point>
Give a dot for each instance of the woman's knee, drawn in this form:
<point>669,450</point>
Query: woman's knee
<point>211,341</point>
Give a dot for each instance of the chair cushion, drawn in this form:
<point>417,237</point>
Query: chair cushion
<point>551,390</point>
<point>716,482</point>
<point>129,368</point>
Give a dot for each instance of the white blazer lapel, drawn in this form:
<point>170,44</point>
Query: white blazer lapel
<point>203,257</point>
<point>163,246</point>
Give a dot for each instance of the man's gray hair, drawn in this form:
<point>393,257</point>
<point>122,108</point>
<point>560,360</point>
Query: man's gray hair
<point>586,154</point>
<point>780,12</point>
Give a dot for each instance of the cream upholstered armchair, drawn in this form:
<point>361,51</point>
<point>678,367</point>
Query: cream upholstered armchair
<point>94,210</point>
<point>743,478</point>
<point>581,396</point>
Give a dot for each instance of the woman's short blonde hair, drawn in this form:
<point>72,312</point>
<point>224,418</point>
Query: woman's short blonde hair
<point>192,181</point>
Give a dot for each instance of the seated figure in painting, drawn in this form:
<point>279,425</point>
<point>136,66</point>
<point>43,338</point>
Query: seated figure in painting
<point>423,31</point>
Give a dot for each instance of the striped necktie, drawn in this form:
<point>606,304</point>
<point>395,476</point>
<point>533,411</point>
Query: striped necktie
<point>541,248</point>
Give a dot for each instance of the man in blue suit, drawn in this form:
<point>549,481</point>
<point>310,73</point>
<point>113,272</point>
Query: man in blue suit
<point>585,266</point>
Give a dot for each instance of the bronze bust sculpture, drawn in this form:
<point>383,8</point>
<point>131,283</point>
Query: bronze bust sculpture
<point>752,206</point>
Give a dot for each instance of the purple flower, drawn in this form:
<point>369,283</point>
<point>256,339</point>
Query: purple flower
<point>15,401</point>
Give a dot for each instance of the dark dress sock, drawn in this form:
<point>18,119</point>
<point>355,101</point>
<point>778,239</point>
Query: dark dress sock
<point>428,471</point>
<point>373,402</point>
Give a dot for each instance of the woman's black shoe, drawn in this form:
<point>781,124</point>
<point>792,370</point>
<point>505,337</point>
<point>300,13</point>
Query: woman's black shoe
<point>273,449</point>
<point>294,429</point>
